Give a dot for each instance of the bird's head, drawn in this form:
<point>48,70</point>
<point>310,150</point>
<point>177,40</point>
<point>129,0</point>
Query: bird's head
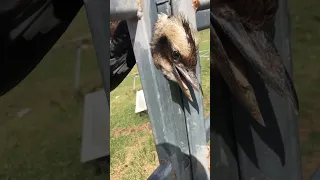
<point>174,49</point>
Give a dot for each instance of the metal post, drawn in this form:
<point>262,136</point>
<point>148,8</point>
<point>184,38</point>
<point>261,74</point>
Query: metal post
<point>128,9</point>
<point>194,113</point>
<point>204,4</point>
<point>177,125</point>
<point>136,75</point>
<point>254,152</point>
<point>165,112</point>
<point>207,128</point>
<point>223,151</point>
<point>98,17</point>
<point>123,9</point>
<point>203,19</point>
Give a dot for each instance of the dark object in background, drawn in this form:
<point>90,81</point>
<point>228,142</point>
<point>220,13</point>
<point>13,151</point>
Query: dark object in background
<point>28,31</point>
<point>100,165</point>
<point>316,175</point>
<point>122,58</point>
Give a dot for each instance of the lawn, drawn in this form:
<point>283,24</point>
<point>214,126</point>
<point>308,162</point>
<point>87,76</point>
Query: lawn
<point>306,53</point>
<point>133,154</point>
<point>45,142</point>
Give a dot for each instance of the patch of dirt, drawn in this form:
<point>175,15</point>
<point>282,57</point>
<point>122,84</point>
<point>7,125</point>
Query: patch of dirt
<point>206,101</point>
<point>206,114</point>
<point>133,129</point>
<point>121,169</point>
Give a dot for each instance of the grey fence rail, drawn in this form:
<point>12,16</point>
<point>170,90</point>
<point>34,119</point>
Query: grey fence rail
<point>178,126</point>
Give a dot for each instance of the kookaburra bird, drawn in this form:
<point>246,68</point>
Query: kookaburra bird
<point>174,48</point>
<point>122,58</point>
<point>239,43</point>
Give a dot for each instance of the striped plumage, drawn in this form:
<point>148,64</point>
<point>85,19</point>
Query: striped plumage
<point>122,58</point>
<point>240,43</point>
<point>174,48</point>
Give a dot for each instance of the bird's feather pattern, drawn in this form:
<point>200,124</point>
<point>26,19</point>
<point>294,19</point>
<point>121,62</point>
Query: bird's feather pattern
<point>234,77</point>
<point>238,38</point>
<point>260,52</point>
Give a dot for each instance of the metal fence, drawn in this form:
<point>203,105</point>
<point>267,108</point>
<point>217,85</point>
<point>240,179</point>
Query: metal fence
<point>178,125</point>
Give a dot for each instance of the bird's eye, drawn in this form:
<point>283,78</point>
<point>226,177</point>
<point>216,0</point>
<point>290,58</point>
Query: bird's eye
<point>175,55</point>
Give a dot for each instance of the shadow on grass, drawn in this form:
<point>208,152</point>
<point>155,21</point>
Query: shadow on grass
<point>101,165</point>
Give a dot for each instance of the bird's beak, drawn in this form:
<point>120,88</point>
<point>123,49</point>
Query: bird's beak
<point>186,76</point>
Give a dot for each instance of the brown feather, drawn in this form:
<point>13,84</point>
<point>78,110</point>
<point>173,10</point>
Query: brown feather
<point>241,25</point>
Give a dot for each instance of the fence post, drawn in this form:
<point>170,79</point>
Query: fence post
<point>98,17</point>
<point>171,143</point>
<point>247,150</point>
<point>194,113</point>
<point>177,125</point>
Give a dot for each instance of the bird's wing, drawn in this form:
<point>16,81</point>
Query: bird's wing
<point>259,51</point>
<point>234,77</point>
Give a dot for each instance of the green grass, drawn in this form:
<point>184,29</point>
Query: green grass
<point>133,154</point>
<point>306,53</point>
<point>45,143</point>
